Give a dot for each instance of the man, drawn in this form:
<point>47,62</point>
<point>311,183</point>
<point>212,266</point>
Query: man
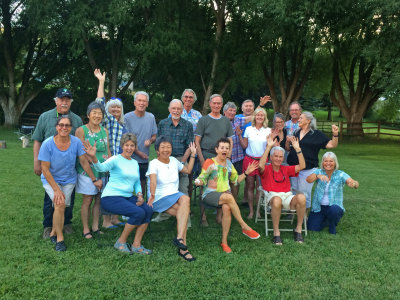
<point>293,123</point>
<point>275,180</point>
<point>248,110</point>
<point>180,133</point>
<point>45,128</point>
<point>143,125</point>
<point>210,129</point>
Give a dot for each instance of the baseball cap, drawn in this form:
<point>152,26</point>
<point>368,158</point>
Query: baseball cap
<point>63,92</point>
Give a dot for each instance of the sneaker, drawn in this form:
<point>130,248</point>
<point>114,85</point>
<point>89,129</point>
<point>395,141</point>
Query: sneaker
<point>60,246</point>
<point>161,217</point>
<point>46,232</point>
<point>68,229</point>
<point>226,248</point>
<point>53,239</point>
<point>251,234</point>
<point>122,247</point>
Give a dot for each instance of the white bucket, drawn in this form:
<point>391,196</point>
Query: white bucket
<point>25,141</point>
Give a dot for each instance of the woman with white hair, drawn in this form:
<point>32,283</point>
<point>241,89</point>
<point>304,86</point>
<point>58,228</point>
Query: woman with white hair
<point>254,141</point>
<point>311,142</point>
<point>327,205</point>
<point>114,123</point>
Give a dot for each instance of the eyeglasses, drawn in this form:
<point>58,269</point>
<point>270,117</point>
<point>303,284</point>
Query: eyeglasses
<point>190,97</point>
<point>62,125</point>
<point>278,181</point>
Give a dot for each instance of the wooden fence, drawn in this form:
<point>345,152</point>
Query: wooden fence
<point>369,128</point>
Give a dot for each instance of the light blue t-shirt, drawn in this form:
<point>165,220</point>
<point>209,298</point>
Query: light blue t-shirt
<point>124,176</point>
<point>62,163</point>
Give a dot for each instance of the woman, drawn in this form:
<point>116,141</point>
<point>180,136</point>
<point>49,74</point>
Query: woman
<point>94,133</point>
<point>279,131</point>
<point>327,205</point>
<point>216,174</point>
<point>311,141</point>
<point>255,142</point>
<point>118,197</point>
<point>114,123</point>
<point>58,157</point>
<point>164,195</point>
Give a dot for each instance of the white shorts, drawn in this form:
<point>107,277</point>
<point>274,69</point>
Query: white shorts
<point>85,186</point>
<point>66,189</point>
<point>286,198</point>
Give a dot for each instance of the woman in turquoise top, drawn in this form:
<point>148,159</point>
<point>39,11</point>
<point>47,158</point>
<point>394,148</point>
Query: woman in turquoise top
<point>327,203</point>
<point>118,195</point>
<point>94,133</point>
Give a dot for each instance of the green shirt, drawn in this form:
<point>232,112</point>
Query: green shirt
<point>46,125</point>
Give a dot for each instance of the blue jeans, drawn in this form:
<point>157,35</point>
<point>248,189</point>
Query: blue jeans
<point>48,211</point>
<point>328,216</point>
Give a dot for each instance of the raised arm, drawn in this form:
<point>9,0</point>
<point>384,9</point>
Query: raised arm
<point>335,138</point>
<point>270,143</point>
<point>102,78</point>
<point>296,146</point>
<point>188,169</point>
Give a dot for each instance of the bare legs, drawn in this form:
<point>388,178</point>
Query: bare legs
<point>85,213</point>
<point>137,241</point>
<point>251,183</point>
<point>58,222</point>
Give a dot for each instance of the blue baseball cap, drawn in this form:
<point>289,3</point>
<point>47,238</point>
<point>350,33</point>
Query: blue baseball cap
<point>63,92</point>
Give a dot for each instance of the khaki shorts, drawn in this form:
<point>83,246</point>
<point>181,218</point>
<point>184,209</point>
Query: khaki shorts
<point>286,198</point>
<point>66,189</point>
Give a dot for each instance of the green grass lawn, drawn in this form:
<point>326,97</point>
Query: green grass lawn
<point>361,261</point>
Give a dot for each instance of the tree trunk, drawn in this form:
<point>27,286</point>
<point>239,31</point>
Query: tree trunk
<point>12,113</point>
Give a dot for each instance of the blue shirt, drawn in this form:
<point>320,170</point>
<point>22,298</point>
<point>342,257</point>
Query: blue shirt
<point>62,163</point>
<point>245,125</point>
<point>335,189</point>
<point>193,116</point>
<point>124,176</point>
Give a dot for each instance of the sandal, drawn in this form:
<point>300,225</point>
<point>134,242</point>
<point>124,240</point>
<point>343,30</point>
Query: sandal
<point>122,247</point>
<point>178,243</point>
<point>277,240</point>
<point>85,235</point>
<point>141,250</point>
<point>97,232</point>
<point>298,238</point>
<point>186,258</point>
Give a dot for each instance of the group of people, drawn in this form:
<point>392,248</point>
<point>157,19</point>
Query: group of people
<point>107,161</point>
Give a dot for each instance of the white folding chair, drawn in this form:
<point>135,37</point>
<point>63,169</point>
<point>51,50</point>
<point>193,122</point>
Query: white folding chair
<point>262,201</point>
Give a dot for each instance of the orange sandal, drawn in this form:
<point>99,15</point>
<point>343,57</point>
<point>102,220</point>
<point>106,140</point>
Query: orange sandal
<point>226,248</point>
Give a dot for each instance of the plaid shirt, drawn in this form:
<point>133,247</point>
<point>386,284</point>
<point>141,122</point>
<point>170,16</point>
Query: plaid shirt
<point>291,127</point>
<point>237,150</point>
<point>193,117</point>
<point>181,135</point>
<point>115,129</point>
<point>335,189</point>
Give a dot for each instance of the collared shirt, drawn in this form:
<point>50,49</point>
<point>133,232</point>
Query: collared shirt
<point>46,125</point>
<point>335,189</point>
<point>237,150</point>
<point>193,116</point>
<point>180,135</point>
<point>291,127</point>
<point>115,129</point>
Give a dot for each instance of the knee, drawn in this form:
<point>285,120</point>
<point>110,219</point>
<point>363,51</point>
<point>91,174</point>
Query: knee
<point>226,210</point>
<point>335,211</point>
<point>59,207</point>
<point>276,203</point>
<point>301,199</point>
<point>184,201</point>
<point>227,198</point>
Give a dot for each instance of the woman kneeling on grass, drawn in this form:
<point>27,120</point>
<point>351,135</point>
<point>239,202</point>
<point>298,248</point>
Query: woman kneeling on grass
<point>215,175</point>
<point>327,203</point>
<point>58,157</point>
<point>164,194</point>
<point>118,197</point>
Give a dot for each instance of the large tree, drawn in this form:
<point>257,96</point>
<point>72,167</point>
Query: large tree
<point>31,54</point>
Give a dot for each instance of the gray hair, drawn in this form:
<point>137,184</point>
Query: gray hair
<point>94,105</point>
<point>331,155</point>
<point>142,93</point>
<point>190,91</point>
<point>246,101</point>
<point>265,123</point>
<point>277,115</point>
<point>313,121</point>
<point>116,102</point>
<point>175,101</point>
<point>277,148</point>
<point>214,96</point>
<point>128,137</point>
<point>295,102</point>
<point>229,105</point>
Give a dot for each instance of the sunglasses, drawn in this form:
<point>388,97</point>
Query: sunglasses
<point>62,125</point>
<point>278,181</point>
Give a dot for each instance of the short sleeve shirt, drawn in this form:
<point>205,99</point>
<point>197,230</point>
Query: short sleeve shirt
<point>193,116</point>
<point>257,140</point>
<point>310,145</point>
<point>46,125</point>
<point>143,127</point>
<point>167,176</point>
<point>62,163</point>
<point>211,130</point>
<point>291,127</point>
<point>279,182</point>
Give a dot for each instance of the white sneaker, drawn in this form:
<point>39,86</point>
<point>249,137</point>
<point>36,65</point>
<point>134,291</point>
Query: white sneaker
<point>161,217</point>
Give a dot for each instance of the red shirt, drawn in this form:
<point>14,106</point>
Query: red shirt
<point>269,178</point>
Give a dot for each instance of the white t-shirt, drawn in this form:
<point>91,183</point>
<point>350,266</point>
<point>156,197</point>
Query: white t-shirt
<point>325,198</point>
<point>167,176</point>
<point>257,140</point>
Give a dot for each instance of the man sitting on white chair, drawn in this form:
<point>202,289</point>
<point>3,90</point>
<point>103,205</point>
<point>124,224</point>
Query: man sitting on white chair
<point>275,180</point>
